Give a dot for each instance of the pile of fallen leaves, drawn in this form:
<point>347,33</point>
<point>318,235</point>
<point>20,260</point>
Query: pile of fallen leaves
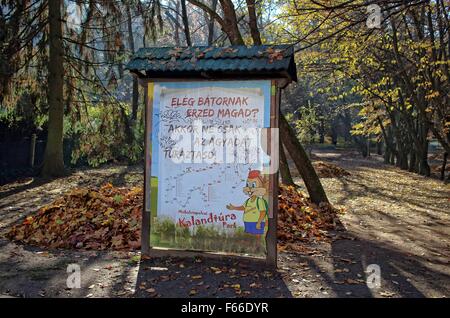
<point>110,218</point>
<point>438,168</point>
<point>300,220</point>
<point>98,219</point>
<point>329,170</point>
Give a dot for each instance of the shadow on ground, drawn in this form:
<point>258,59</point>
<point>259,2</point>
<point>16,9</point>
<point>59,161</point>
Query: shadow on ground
<point>342,273</point>
<point>338,270</point>
<point>202,277</point>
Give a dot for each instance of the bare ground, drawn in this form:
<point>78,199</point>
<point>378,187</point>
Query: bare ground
<point>395,219</point>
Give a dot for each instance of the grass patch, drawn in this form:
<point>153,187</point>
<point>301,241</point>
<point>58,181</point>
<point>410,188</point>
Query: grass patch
<point>166,233</point>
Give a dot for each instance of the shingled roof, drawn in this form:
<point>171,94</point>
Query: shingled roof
<point>265,61</point>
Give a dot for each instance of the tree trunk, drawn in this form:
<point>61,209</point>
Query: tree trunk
<point>231,22</point>
<point>321,129</point>
<point>253,22</point>
<point>380,148</point>
<point>363,148</point>
<point>286,177</point>
<point>361,144</point>
<point>389,146</point>
<point>177,25</point>
<point>424,168</point>
<point>402,158</point>
<point>392,159</point>
<point>412,160</point>
<point>135,98</point>
<point>54,158</point>
<point>302,162</point>
<point>211,24</point>
<point>387,154</point>
<point>334,137</point>
<point>444,166</point>
<point>321,134</point>
<point>187,33</point>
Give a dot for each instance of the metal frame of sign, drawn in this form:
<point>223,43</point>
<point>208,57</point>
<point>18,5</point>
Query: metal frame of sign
<point>271,237</point>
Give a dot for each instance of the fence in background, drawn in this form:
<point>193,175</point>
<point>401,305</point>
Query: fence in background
<point>23,158</point>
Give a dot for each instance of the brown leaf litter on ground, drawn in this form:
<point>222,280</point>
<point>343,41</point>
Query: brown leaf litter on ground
<point>109,218</point>
<point>329,170</point>
<point>300,220</point>
<point>86,218</point>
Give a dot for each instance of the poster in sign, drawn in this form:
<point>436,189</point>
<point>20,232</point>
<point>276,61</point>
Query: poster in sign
<point>209,170</point>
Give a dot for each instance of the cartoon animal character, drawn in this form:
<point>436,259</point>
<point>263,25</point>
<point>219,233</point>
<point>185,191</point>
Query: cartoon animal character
<point>255,207</point>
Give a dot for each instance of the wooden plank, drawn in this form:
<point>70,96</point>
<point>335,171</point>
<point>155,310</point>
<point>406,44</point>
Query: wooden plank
<point>146,211</point>
<point>173,252</point>
<point>271,237</point>
<point>280,81</point>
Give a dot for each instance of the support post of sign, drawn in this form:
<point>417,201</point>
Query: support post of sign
<point>271,238</point>
<point>146,210</point>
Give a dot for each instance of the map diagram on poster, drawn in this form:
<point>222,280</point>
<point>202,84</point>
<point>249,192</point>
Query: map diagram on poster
<point>205,198</point>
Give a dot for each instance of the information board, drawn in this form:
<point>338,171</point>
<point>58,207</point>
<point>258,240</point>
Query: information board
<point>209,185</point>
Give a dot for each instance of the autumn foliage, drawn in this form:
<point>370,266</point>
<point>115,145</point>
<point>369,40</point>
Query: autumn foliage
<point>110,218</point>
<point>300,220</point>
<point>98,219</point>
<point>329,170</point>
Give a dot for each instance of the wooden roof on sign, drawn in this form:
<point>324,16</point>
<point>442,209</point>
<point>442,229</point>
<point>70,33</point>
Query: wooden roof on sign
<point>240,62</point>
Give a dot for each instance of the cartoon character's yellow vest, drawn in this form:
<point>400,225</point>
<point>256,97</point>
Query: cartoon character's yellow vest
<point>253,208</point>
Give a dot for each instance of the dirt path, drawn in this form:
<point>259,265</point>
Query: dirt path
<point>395,219</point>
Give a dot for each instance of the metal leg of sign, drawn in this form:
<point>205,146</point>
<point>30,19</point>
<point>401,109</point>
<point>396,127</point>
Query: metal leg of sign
<point>146,211</point>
